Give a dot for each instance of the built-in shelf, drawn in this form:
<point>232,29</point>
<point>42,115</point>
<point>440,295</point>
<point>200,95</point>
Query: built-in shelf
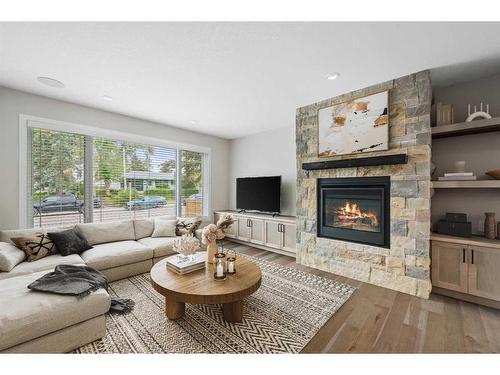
<point>464,128</point>
<point>474,240</point>
<point>477,184</point>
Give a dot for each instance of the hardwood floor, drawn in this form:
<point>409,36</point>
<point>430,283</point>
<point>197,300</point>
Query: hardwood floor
<point>379,320</point>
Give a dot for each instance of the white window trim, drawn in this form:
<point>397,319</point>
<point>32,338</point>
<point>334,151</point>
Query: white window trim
<point>29,121</point>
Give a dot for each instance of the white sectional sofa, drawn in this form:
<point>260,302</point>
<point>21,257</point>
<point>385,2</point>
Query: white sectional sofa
<point>34,322</point>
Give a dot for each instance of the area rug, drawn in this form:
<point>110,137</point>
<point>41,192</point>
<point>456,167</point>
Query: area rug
<point>281,317</point>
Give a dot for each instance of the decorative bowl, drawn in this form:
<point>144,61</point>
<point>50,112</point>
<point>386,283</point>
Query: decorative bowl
<point>495,173</point>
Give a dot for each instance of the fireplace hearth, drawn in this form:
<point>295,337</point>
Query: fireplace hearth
<point>355,209</point>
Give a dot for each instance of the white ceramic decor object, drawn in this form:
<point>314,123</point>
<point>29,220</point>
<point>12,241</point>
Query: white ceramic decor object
<point>478,114</point>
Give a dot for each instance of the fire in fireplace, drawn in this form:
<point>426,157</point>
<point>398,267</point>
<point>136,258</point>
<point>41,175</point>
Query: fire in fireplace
<point>354,209</point>
<point>343,213</point>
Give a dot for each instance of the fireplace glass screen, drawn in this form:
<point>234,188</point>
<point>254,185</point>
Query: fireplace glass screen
<point>355,209</point>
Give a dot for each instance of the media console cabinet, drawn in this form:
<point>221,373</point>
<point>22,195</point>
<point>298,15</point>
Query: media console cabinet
<point>262,231</point>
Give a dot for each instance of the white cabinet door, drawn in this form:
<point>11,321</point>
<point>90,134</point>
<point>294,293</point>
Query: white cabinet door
<point>289,237</point>
<point>273,235</point>
<point>243,229</point>
<point>257,231</point>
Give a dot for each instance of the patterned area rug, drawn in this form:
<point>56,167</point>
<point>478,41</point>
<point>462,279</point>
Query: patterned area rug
<point>281,317</point>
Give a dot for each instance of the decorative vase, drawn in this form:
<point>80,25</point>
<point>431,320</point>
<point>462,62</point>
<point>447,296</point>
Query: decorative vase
<point>211,251</point>
<point>459,166</point>
<point>490,225</point>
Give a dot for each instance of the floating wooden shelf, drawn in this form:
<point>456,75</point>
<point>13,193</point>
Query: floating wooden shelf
<point>474,240</point>
<point>477,184</point>
<point>357,162</point>
<point>464,128</point>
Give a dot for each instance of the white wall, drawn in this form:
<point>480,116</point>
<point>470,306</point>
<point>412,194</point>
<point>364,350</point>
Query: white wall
<point>271,153</point>
<point>13,103</point>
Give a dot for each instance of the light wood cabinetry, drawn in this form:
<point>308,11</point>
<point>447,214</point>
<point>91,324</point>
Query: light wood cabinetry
<point>449,266</point>
<point>276,234</point>
<point>469,266</point>
<point>484,272</point>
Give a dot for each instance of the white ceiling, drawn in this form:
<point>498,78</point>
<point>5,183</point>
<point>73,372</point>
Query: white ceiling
<point>234,79</point>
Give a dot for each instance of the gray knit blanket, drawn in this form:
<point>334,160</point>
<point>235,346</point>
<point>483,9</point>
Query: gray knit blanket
<point>78,281</point>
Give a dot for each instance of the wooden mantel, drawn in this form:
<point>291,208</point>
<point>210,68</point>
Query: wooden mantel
<point>357,162</point>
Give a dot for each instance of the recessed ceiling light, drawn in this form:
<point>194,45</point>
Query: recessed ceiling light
<point>107,98</point>
<point>51,82</point>
<point>194,122</point>
<point>333,76</point>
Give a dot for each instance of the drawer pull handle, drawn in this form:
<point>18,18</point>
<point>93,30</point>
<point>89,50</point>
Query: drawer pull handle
<point>463,255</point>
<point>472,256</point>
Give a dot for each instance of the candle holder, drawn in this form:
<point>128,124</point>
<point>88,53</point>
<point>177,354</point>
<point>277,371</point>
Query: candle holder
<point>219,267</point>
<point>220,248</point>
<point>231,262</point>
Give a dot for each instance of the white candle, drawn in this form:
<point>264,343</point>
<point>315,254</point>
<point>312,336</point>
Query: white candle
<point>230,267</point>
<point>220,270</point>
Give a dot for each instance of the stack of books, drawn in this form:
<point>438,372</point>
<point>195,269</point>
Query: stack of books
<point>183,265</point>
<point>462,176</point>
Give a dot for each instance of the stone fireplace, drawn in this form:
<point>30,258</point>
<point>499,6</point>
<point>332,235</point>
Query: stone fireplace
<point>355,209</point>
<point>379,235</point>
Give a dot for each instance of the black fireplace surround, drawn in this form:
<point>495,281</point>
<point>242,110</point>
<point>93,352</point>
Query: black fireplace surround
<point>355,209</point>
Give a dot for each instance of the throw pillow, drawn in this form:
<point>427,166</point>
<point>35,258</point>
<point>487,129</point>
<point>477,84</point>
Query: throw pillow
<point>36,247</point>
<point>187,226</point>
<point>164,228</point>
<point>69,242</point>
<point>10,256</point>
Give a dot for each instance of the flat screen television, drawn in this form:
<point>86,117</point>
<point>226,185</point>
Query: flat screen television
<point>259,194</point>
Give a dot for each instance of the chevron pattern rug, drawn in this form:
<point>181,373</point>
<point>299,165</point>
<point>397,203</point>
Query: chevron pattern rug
<point>281,317</point>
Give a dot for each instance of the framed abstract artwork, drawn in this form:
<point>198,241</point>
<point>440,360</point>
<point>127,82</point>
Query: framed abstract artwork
<point>355,126</point>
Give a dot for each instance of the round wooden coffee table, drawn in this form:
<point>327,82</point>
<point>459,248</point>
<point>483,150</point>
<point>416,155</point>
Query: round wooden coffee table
<point>199,287</point>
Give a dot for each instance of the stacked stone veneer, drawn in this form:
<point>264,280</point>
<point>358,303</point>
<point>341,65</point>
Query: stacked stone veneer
<point>406,265</point>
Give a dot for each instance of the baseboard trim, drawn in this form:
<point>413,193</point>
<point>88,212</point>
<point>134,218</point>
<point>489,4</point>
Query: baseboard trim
<point>262,247</point>
<point>466,297</point>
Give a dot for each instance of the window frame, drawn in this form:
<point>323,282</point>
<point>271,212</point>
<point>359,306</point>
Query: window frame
<point>27,122</point>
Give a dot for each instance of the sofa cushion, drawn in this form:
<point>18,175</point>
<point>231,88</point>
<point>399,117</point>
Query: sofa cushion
<point>6,235</point>
<point>36,246</point>
<point>197,234</point>
<point>164,228</point>
<point>187,225</point>
<point>116,254</point>
<point>145,227</point>
<point>33,314</point>
<point>10,256</point>
<point>69,242</point>
<point>45,264</point>
<point>99,233</point>
<point>161,246</point>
